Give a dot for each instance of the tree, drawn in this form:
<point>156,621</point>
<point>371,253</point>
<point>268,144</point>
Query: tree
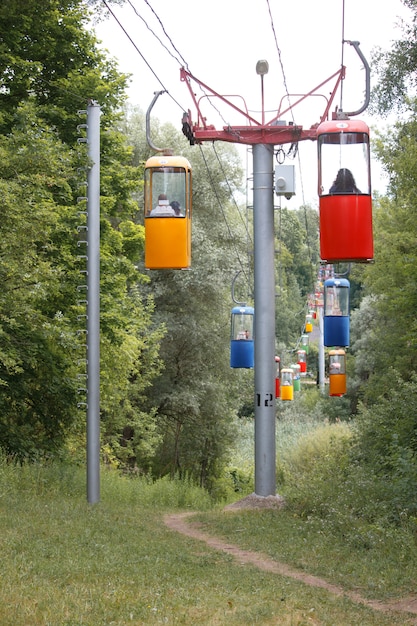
<point>392,278</point>
<point>197,394</point>
<point>297,259</point>
<point>55,61</point>
<point>50,68</point>
<point>396,68</point>
<point>37,373</point>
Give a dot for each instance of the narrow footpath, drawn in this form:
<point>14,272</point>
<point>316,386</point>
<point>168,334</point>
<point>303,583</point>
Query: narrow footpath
<point>180,522</point>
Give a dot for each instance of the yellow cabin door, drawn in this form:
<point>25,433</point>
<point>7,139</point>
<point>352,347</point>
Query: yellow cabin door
<point>167,242</point>
<point>287,392</point>
<point>337,384</point>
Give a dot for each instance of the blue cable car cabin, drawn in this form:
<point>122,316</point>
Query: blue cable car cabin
<point>242,348</point>
<point>336,312</point>
<point>168,210</point>
<point>344,186</point>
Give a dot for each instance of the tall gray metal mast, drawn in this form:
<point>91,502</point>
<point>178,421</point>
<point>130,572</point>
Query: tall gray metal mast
<point>264,283</point>
<point>93,304</point>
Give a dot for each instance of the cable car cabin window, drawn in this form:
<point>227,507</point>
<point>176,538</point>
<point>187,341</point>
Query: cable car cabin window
<point>242,325</point>
<point>336,297</point>
<point>344,163</point>
<point>172,184</point>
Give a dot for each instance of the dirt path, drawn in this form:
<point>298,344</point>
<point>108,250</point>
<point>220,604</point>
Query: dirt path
<point>180,523</point>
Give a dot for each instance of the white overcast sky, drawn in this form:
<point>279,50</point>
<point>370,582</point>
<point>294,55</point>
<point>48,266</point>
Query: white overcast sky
<point>221,41</point>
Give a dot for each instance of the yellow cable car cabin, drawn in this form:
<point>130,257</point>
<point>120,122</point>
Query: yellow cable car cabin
<point>168,209</point>
<point>287,384</point>
<point>337,372</point>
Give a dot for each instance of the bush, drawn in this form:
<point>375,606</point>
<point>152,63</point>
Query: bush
<point>235,481</point>
<point>389,426</point>
<point>315,469</point>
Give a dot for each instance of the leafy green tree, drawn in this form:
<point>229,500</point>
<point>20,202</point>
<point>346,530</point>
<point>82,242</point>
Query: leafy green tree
<point>50,69</point>
<point>384,328</point>
<point>296,269</point>
<point>392,278</point>
<point>197,395</point>
<point>37,373</point>
<point>386,446</point>
<point>55,61</point>
<point>396,68</point>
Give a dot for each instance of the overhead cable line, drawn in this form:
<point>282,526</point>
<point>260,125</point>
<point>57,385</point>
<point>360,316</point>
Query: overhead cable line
<point>296,151</point>
<point>184,62</point>
<point>245,225</point>
<point>180,63</point>
<point>280,57</point>
<point>213,186</point>
<point>231,193</point>
<point>343,50</point>
<point>139,52</point>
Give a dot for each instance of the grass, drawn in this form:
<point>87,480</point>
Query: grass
<point>64,562</point>
<point>67,563</point>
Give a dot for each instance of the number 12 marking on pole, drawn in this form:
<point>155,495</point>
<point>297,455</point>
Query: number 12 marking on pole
<point>266,399</point>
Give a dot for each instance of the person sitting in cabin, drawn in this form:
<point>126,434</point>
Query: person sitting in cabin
<point>344,182</point>
<point>176,206</point>
<point>163,208</point>
<point>334,367</point>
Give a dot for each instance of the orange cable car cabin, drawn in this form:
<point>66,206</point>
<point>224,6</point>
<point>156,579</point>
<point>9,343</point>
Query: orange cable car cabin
<point>168,211</point>
<point>287,384</point>
<point>337,372</point>
<point>344,186</point>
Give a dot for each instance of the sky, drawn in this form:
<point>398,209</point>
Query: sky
<point>220,44</point>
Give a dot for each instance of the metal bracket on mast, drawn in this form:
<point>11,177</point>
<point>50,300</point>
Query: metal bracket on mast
<point>255,132</point>
<point>273,132</point>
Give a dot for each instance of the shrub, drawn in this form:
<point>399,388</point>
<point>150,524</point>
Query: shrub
<point>389,426</point>
<point>315,469</point>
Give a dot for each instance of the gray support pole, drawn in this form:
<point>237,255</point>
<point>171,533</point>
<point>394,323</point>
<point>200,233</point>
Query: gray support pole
<point>93,304</point>
<point>264,279</point>
<point>321,350</point>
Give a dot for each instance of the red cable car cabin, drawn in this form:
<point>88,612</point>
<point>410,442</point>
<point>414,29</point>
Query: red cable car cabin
<point>277,376</point>
<point>345,192</point>
<point>302,361</point>
<point>168,191</point>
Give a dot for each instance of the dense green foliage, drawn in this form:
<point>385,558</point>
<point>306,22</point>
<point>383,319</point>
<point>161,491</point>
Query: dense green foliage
<point>51,68</point>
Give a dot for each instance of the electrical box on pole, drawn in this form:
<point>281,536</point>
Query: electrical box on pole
<point>285,181</point>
